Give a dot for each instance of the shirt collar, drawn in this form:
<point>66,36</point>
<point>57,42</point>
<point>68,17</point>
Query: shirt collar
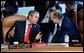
<point>61,21</point>
<point>27,22</point>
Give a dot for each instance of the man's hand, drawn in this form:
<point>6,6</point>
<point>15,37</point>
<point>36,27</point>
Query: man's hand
<point>38,36</point>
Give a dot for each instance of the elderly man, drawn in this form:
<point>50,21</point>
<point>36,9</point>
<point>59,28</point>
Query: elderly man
<point>58,27</point>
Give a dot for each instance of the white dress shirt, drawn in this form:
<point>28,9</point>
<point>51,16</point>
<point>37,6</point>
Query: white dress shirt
<point>27,22</point>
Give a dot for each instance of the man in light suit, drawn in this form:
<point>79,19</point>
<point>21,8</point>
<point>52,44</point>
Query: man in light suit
<point>57,27</point>
<point>22,29</point>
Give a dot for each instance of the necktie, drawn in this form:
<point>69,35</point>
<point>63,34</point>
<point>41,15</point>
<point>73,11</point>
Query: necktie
<point>26,37</point>
<point>56,38</point>
<point>58,29</point>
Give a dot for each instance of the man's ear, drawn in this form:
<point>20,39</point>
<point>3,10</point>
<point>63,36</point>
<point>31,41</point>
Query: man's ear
<point>29,17</point>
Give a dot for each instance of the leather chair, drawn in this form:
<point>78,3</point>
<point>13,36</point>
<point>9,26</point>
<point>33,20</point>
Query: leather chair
<point>80,15</point>
<point>7,22</point>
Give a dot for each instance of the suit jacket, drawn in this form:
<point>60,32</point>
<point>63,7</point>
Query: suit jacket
<point>20,31</point>
<point>66,27</point>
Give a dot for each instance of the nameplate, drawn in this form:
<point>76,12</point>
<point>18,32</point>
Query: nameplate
<point>4,46</point>
<point>58,44</point>
<point>19,46</point>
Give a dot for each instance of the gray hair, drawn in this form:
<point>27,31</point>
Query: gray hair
<point>57,14</point>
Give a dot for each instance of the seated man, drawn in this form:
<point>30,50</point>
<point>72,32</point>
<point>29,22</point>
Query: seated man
<point>27,31</point>
<point>58,27</point>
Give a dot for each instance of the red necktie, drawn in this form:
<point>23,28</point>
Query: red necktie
<point>26,37</point>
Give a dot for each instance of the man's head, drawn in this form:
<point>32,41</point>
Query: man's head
<point>56,16</point>
<point>33,16</point>
<point>70,5</point>
<point>11,8</point>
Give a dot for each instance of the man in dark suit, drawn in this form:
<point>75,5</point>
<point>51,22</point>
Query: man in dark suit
<point>58,27</point>
<point>27,31</point>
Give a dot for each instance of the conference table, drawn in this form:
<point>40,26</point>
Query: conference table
<point>48,48</point>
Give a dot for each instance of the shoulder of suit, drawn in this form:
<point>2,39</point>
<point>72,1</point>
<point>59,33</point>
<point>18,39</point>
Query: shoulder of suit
<point>67,18</point>
<point>36,25</point>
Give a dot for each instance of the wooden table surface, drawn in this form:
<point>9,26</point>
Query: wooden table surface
<point>46,49</point>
